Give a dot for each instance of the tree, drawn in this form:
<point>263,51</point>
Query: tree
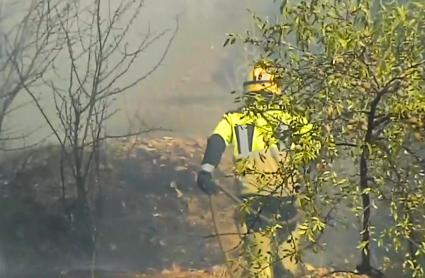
<point>357,71</point>
<point>27,46</point>
<point>96,55</point>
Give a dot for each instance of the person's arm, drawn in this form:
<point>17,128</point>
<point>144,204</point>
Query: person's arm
<point>216,145</point>
<point>213,153</point>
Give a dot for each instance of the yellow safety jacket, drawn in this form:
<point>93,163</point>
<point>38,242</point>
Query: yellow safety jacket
<point>259,156</point>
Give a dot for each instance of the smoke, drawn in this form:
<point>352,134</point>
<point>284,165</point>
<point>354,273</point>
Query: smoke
<point>2,264</point>
<point>190,90</point>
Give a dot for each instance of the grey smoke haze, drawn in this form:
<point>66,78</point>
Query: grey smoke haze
<point>190,90</point>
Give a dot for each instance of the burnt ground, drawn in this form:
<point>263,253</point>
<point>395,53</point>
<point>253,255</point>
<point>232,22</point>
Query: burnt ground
<point>157,205</point>
<point>151,216</point>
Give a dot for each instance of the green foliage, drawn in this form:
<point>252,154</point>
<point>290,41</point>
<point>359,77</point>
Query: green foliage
<point>355,69</point>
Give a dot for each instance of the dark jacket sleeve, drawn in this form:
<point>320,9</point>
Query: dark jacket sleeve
<point>214,151</point>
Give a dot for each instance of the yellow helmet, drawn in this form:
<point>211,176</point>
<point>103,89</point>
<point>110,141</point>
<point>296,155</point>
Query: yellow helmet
<point>262,79</point>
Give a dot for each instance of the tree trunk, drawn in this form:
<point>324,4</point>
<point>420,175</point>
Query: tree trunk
<point>83,222</point>
<point>365,262</point>
<point>365,266</point>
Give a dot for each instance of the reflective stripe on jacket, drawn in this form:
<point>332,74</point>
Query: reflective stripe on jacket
<point>256,149</point>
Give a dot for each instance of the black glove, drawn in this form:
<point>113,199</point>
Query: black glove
<point>206,183</point>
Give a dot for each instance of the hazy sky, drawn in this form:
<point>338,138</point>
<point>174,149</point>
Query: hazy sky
<point>190,90</point>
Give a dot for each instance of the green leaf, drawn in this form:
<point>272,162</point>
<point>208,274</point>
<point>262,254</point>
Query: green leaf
<point>226,42</point>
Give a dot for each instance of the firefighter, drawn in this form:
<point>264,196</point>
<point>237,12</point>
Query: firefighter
<point>256,133</point>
